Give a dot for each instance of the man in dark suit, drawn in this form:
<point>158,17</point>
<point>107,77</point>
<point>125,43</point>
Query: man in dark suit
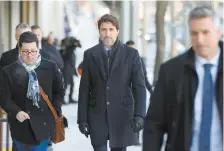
<point>187,102</point>
<point>131,43</point>
<point>108,109</point>
<point>50,50</point>
<point>11,56</point>
<point>31,121</point>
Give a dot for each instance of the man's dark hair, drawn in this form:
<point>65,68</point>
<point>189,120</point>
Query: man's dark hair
<point>109,18</point>
<point>130,42</point>
<point>28,37</point>
<point>34,27</point>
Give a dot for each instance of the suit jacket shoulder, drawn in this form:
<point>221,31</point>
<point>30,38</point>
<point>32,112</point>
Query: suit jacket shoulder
<point>128,49</point>
<point>9,57</point>
<point>11,67</point>
<point>96,47</point>
<point>122,47</point>
<point>45,63</point>
<point>174,65</point>
<point>13,71</point>
<point>10,52</point>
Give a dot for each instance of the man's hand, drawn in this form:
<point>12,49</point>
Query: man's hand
<point>84,128</point>
<point>138,123</point>
<point>22,116</point>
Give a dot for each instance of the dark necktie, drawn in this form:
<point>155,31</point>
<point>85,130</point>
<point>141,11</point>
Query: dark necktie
<point>206,115</point>
<point>108,53</point>
<point>108,61</point>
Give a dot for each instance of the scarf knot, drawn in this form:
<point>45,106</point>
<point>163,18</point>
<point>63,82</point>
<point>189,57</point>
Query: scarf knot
<point>33,91</point>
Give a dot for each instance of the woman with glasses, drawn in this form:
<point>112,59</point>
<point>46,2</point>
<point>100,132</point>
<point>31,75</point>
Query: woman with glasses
<point>31,121</point>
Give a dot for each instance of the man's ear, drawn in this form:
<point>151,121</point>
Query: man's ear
<point>17,38</point>
<point>219,32</point>
<point>38,49</point>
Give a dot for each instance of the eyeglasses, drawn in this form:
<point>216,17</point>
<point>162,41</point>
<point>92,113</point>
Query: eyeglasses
<point>26,52</point>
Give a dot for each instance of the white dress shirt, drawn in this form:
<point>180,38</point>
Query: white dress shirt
<point>216,132</point>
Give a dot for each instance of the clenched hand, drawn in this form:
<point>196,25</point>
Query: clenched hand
<point>84,128</point>
<point>22,116</point>
<point>138,123</point>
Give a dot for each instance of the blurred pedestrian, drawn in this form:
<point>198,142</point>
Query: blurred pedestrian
<point>31,121</point>
<point>11,56</point>
<point>112,95</point>
<point>131,43</point>
<point>50,39</point>
<point>50,50</point>
<point>187,102</point>
<point>69,45</point>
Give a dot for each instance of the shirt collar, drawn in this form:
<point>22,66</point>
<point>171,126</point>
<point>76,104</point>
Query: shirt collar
<point>107,48</point>
<point>214,61</point>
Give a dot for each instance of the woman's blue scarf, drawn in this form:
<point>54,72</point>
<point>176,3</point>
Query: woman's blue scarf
<point>33,91</point>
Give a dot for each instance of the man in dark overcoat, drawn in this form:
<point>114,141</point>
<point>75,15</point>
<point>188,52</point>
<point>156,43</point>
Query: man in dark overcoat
<point>131,43</point>
<point>112,94</point>
<point>187,102</point>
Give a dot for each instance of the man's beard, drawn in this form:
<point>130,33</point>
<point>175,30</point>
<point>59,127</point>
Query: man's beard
<point>108,42</point>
